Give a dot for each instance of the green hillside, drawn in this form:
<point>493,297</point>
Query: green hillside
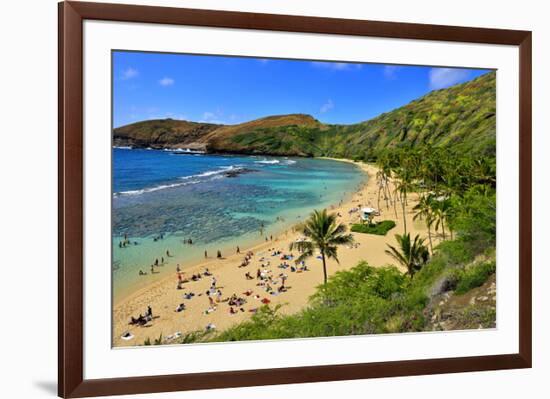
<point>462,116</point>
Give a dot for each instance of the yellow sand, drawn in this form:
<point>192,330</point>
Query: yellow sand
<point>163,297</point>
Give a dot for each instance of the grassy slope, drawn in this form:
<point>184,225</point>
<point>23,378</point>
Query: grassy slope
<point>462,116</point>
<point>160,133</point>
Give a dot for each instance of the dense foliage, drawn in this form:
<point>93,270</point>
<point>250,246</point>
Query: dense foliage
<point>473,276</point>
<point>462,116</point>
<point>373,300</point>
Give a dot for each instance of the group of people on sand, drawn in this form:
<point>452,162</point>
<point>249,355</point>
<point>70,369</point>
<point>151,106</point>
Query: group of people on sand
<point>142,319</point>
<point>194,277</point>
<point>267,281</point>
<point>247,258</point>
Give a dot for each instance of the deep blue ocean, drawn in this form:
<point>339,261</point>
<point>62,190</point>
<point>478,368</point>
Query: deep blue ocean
<point>218,201</point>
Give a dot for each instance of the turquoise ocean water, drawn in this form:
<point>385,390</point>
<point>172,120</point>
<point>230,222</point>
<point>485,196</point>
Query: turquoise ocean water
<point>218,201</point>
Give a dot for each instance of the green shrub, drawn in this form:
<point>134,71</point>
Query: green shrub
<point>474,276</point>
<point>380,228</point>
<point>455,252</point>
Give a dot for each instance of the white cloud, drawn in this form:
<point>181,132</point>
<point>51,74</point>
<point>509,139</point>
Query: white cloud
<point>129,73</point>
<point>213,117</point>
<point>390,71</point>
<point>178,116</point>
<point>445,77</point>
<point>327,106</point>
<point>166,81</point>
<point>336,66</point>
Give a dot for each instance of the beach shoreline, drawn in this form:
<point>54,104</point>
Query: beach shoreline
<point>164,298</point>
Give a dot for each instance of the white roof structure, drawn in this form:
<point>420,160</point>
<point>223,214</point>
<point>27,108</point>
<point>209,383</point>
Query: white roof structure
<point>368,210</point>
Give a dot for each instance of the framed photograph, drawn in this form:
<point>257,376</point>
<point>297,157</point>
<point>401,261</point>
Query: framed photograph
<point>251,199</point>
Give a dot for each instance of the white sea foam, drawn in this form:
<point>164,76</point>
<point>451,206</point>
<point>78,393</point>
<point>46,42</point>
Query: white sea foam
<point>268,161</point>
<point>193,179</point>
<point>156,188</point>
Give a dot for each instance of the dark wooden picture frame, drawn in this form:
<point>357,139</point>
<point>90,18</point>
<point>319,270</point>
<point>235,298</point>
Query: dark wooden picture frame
<point>71,382</point>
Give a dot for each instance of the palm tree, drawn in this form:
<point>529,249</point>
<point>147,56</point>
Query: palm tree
<point>442,209</point>
<point>323,233</point>
<point>384,165</point>
<point>380,184</point>
<point>424,211</point>
<point>411,255</point>
<point>403,186</point>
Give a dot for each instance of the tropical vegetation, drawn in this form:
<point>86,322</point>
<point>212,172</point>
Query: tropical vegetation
<point>461,117</point>
<point>457,201</point>
<point>324,234</point>
<point>439,150</point>
<point>380,228</point>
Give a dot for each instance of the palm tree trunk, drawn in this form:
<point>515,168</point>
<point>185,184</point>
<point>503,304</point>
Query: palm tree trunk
<point>395,205</point>
<point>403,200</point>
<point>386,196</point>
<point>443,228</point>
<point>324,268</point>
<point>379,189</point>
<point>430,239</point>
<point>389,190</point>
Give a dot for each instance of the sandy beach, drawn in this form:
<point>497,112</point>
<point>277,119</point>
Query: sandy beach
<point>163,297</point>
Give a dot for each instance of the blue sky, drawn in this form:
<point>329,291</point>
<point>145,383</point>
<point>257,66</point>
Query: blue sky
<point>232,90</point>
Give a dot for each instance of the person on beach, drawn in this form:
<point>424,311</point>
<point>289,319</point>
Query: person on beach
<point>152,269</point>
<point>162,260</point>
<point>180,308</point>
<point>156,262</point>
<point>178,268</point>
<point>149,311</point>
<point>238,250</point>
<point>205,254</point>
<point>167,253</point>
<point>219,254</point>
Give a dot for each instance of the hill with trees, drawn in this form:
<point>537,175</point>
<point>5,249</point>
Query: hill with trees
<point>462,116</point>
